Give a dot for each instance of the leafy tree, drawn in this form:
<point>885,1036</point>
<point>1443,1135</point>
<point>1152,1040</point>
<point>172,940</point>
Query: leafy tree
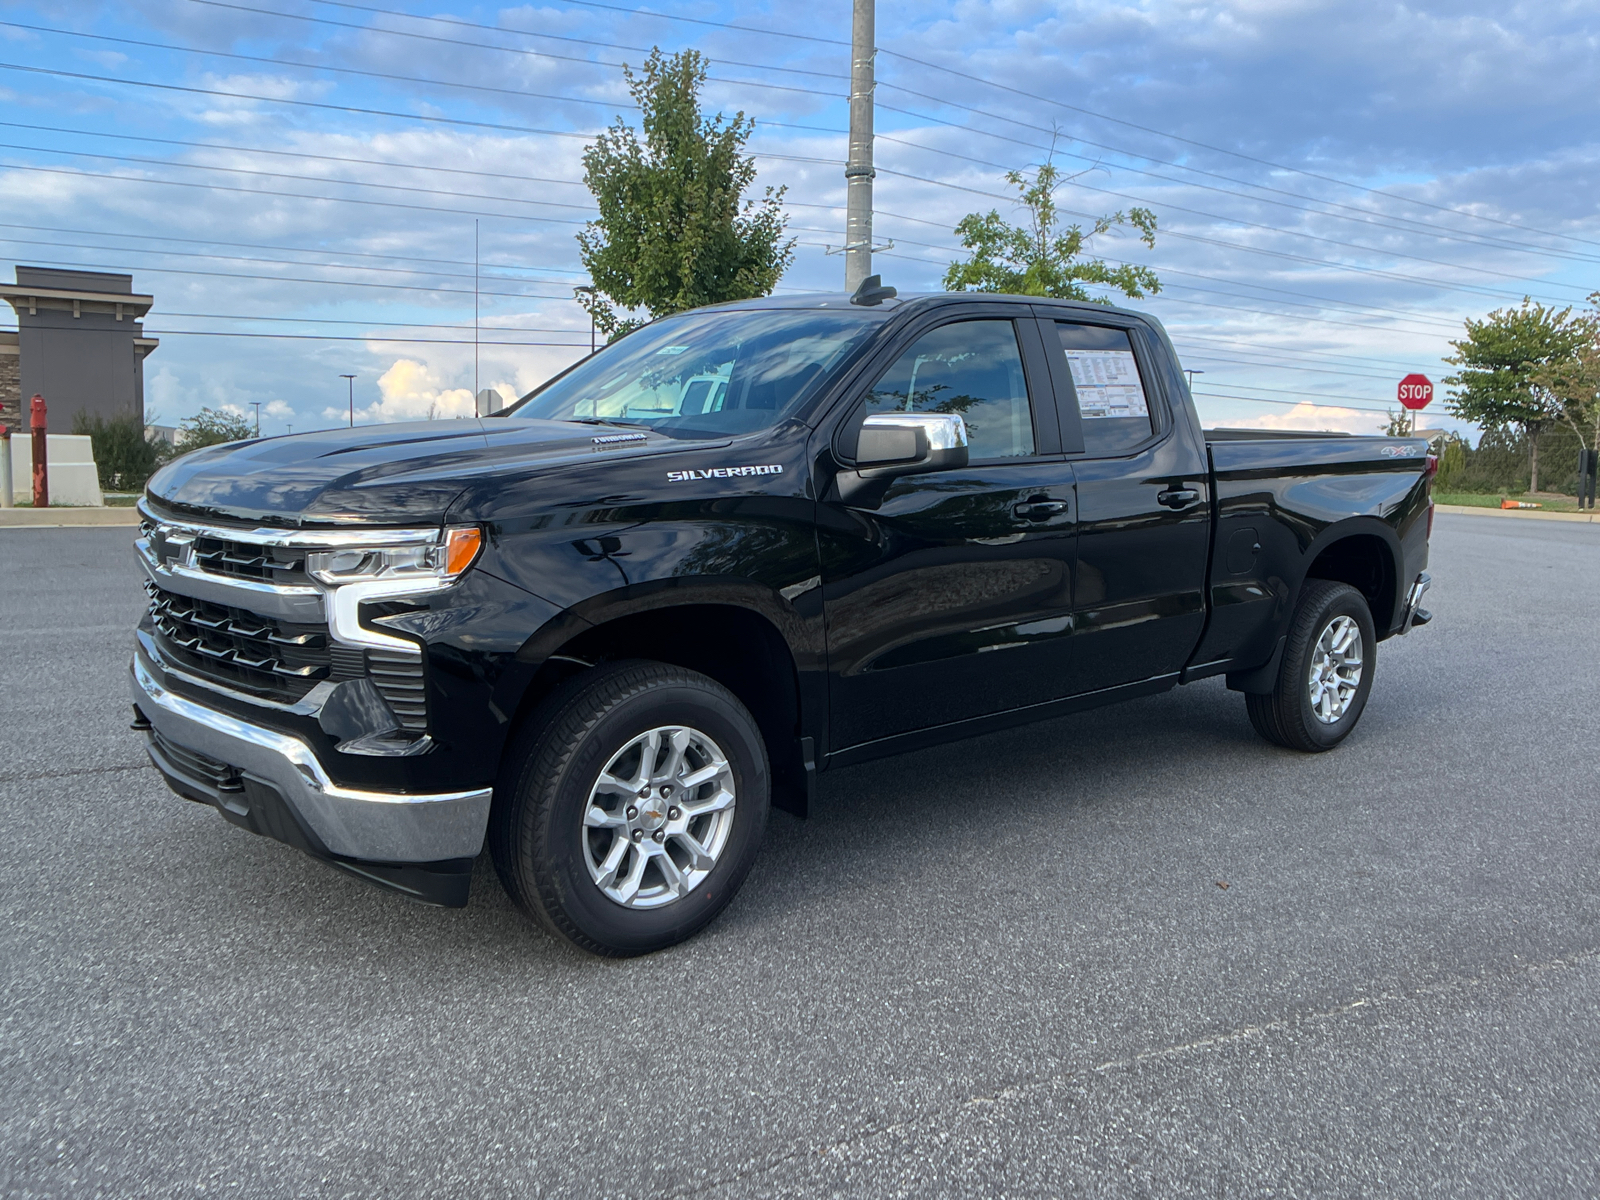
<point>123,458</point>
<point>1498,360</point>
<point>674,231</point>
<point>1574,382</point>
<point>1042,259</point>
<point>210,427</point>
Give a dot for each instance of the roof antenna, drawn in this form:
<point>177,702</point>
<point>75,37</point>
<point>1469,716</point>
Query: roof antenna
<point>873,292</point>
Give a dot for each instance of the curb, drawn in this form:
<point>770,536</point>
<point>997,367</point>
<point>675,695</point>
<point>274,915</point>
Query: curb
<point>1522,514</point>
<point>67,518</point>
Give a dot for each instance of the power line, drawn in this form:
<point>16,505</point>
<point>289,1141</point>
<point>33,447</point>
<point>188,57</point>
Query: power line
<point>523,129</point>
<point>430,37</point>
<point>557,37</point>
<point>1038,98</point>
<point>1362,218</point>
<point>449,262</point>
<point>280,262</point>
<point>327,337</point>
<point>1437,285</point>
<point>392,187</point>
<point>1413,228</point>
<point>399,287</point>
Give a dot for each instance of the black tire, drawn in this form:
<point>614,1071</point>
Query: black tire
<point>536,833</point>
<point>1286,715</point>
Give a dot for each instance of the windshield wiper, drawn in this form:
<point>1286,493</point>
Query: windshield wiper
<point>608,421</point>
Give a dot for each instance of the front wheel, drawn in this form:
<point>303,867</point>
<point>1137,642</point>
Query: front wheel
<point>1326,672</point>
<point>638,808</point>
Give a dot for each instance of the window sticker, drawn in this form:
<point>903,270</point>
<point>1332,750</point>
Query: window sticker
<point>1108,384</point>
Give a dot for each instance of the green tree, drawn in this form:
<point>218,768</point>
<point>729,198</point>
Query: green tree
<point>1041,259</point>
<point>1496,385</point>
<point>674,230</point>
<point>210,427</point>
<point>1575,381</point>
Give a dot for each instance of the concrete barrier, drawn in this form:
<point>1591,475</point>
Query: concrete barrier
<point>74,481</point>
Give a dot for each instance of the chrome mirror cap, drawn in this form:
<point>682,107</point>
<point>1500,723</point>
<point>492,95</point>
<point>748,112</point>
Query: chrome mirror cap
<point>907,442</point>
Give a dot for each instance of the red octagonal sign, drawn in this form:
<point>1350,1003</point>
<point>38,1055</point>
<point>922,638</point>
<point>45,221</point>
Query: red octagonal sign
<point>1416,391</point>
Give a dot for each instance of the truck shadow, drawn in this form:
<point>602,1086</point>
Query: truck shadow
<point>908,811</point>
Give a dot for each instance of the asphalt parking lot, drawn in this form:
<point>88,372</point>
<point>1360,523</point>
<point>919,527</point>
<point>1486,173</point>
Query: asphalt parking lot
<point>1007,967</point>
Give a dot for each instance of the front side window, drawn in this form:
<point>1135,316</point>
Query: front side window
<point>706,374</point>
<point>1111,396</point>
<point>973,368</point>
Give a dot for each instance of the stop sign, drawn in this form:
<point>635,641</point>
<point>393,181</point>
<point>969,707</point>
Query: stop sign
<point>1416,391</point>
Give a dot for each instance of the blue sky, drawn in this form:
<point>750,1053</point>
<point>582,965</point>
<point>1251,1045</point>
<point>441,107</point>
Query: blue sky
<point>1338,184</point>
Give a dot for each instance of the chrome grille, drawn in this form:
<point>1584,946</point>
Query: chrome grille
<point>248,560</point>
<point>279,661</point>
<point>273,659</point>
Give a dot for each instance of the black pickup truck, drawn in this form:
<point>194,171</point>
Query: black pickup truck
<point>605,630</point>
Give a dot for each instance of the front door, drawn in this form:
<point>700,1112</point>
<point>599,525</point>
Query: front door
<point>949,594</point>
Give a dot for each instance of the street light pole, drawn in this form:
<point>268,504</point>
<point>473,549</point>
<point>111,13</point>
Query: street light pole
<point>256,404</point>
<point>352,380</point>
<point>1191,372</point>
<point>590,292</point>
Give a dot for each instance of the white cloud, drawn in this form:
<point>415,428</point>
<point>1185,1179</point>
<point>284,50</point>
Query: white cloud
<point>1316,416</point>
<point>278,409</point>
<point>414,391</point>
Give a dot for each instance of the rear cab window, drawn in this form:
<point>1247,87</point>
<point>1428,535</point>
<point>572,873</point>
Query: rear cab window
<point>1115,404</point>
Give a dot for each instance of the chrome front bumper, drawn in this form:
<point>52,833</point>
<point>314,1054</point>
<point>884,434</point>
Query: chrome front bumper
<point>384,827</point>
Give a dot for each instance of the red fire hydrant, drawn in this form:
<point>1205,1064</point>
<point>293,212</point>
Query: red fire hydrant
<point>41,466</point>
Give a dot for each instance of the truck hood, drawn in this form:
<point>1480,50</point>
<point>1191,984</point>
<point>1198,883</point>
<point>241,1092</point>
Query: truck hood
<point>383,475</point>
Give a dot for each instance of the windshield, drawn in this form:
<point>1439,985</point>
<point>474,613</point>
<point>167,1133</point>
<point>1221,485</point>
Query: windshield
<point>705,374</point>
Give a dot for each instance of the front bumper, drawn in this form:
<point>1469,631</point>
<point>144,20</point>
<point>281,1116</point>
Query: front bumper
<point>272,782</point>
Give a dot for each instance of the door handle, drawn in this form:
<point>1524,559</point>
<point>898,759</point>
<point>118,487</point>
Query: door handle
<point>1039,510</point>
<point>1178,497</point>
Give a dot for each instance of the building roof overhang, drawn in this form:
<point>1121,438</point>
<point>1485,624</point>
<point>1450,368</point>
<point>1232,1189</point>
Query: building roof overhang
<point>21,296</point>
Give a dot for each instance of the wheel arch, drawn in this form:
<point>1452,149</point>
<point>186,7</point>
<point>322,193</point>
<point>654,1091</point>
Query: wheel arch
<point>720,635</point>
<point>1366,554</point>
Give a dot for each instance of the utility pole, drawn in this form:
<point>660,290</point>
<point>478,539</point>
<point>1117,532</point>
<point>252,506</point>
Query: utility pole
<point>474,310</point>
<point>352,380</point>
<point>858,170</point>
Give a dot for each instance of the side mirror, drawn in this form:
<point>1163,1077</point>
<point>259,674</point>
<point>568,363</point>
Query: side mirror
<point>910,444</point>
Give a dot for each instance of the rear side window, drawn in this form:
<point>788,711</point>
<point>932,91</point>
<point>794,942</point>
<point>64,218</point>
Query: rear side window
<point>973,368</point>
<point>1111,394</point>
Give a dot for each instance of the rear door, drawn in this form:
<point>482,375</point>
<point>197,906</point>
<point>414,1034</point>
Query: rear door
<point>949,594</point>
<point>1143,507</point>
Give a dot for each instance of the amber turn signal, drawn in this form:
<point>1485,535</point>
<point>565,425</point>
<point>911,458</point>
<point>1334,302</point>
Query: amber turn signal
<point>461,546</point>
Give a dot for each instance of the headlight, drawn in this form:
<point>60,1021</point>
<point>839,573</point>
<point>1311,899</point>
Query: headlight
<point>441,562</point>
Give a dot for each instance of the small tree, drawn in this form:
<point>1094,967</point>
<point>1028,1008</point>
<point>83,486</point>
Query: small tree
<point>210,427</point>
<point>1042,259</point>
<point>1397,424</point>
<point>1499,357</point>
<point>674,231</point>
<point>123,458</point>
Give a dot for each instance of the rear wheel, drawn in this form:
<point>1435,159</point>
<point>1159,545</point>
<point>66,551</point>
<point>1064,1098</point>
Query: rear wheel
<point>1326,672</point>
<point>638,808</point>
